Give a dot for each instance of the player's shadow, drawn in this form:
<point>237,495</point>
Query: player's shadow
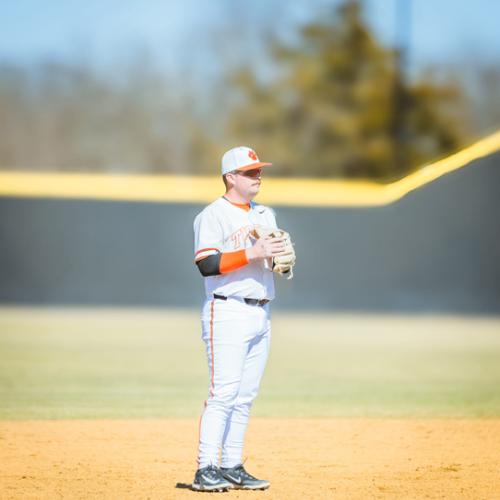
<point>183,486</point>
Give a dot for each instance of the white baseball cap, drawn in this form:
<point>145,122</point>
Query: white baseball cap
<point>241,158</point>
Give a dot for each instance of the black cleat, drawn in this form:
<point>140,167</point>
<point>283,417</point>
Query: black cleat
<point>210,478</point>
<point>242,480</point>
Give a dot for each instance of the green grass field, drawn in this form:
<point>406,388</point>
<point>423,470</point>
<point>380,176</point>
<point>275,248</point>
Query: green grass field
<point>94,363</point>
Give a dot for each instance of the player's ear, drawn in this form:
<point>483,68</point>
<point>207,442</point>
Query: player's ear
<point>228,180</point>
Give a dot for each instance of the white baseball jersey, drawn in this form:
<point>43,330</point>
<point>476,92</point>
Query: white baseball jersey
<point>224,227</point>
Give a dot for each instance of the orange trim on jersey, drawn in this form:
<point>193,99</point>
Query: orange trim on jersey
<point>230,261</point>
<point>243,206</point>
<point>203,250</point>
<point>212,382</point>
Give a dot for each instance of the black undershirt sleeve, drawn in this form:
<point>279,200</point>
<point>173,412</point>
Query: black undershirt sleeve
<point>210,266</point>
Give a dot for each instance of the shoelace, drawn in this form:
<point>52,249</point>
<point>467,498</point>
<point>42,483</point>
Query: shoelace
<point>212,472</point>
<point>241,470</point>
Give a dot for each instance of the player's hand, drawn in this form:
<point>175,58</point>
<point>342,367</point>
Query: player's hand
<point>265,248</point>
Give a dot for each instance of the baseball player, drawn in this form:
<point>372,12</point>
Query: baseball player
<point>237,247</point>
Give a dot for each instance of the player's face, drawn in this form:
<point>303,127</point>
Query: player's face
<point>248,182</point>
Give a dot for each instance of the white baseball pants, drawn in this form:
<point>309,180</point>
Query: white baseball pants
<point>237,338</point>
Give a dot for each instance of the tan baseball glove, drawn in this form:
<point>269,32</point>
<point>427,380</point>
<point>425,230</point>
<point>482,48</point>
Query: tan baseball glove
<point>284,262</point>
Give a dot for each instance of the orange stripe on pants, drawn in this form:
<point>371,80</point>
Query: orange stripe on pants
<point>212,383</point>
<point>212,367</point>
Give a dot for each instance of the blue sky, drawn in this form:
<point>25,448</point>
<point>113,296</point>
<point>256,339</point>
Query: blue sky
<point>103,30</point>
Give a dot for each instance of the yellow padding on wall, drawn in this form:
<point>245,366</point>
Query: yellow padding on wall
<point>196,189</point>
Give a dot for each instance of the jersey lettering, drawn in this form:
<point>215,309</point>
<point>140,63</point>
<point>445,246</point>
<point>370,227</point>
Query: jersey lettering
<point>223,227</point>
<point>240,237</point>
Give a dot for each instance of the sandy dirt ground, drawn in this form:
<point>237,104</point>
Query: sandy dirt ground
<point>303,458</point>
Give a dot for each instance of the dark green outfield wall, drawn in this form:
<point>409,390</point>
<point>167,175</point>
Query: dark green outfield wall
<point>438,249</point>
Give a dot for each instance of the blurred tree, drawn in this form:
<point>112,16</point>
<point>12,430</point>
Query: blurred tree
<point>332,108</point>
<point>327,102</point>
<point>59,115</point>
<point>481,79</point>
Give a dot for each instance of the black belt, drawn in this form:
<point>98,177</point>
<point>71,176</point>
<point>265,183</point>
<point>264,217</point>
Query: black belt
<point>252,302</point>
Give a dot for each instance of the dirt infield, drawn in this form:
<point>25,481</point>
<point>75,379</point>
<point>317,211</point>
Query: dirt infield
<point>303,458</point>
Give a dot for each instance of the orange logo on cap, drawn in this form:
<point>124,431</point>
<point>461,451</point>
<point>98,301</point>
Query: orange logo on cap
<point>252,155</point>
